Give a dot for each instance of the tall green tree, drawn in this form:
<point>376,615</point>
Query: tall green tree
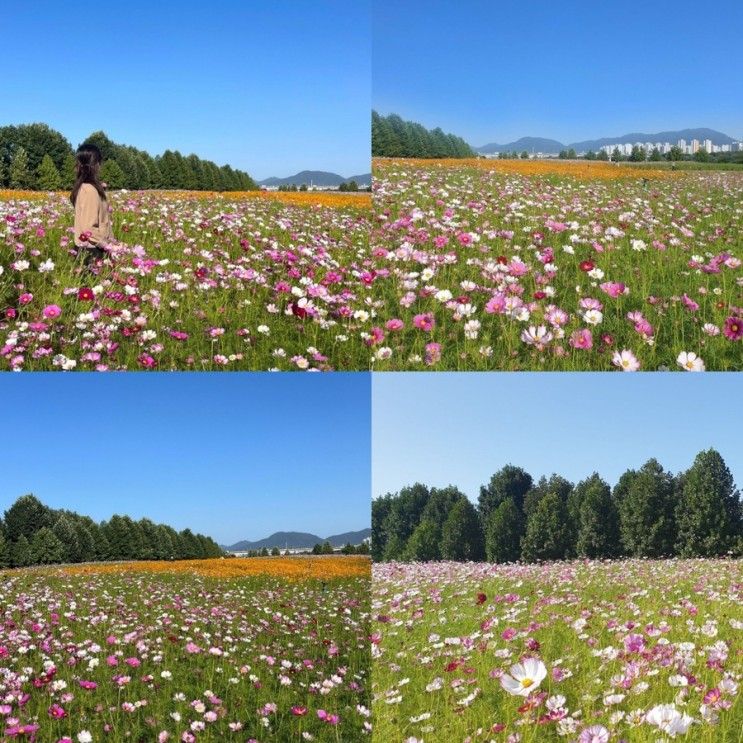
<point>25,517</point>
<point>547,531</point>
<point>504,531</point>
<point>709,511</point>
<point>19,172</point>
<point>65,532</point>
<point>112,175</point>
<point>424,544</point>
<point>45,548</point>
<point>598,526</point>
<point>508,482</point>
<point>647,512</point>
<point>20,552</point>
<point>461,535</point>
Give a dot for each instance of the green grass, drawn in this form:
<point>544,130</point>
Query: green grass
<point>432,626</point>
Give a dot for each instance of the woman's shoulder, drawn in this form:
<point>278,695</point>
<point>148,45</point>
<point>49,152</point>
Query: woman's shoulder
<point>88,187</point>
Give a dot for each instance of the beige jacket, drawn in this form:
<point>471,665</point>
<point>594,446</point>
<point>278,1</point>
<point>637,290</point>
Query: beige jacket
<point>91,215</point>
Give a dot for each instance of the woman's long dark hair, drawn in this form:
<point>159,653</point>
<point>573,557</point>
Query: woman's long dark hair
<point>87,162</point>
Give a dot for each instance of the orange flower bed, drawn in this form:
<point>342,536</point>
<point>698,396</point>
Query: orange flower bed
<point>290,567</point>
<point>331,199</point>
<point>584,169</point>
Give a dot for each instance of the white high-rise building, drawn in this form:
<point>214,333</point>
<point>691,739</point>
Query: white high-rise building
<point>694,146</point>
<point>708,145</point>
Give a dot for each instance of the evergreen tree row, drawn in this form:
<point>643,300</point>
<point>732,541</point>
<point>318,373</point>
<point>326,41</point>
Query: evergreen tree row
<point>33,534</point>
<point>393,137</point>
<point>34,156</point>
<point>648,513</point>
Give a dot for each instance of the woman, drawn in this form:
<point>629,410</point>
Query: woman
<point>92,222</point>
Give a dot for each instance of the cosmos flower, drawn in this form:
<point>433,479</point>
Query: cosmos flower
<point>524,677</point>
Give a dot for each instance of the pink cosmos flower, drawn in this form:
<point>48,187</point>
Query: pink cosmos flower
<point>424,322</point>
<point>582,338</point>
<point>613,288</point>
<point>51,311</point>
<point>394,324</point>
<point>733,328</point>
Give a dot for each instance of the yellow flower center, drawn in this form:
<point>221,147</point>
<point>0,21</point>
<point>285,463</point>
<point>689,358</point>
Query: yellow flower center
<point>526,683</point>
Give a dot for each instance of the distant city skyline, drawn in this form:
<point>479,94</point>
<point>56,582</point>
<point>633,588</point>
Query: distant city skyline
<point>498,72</point>
<point>231,455</point>
<point>263,87</point>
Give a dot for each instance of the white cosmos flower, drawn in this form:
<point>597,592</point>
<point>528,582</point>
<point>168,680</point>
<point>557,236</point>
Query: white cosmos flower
<point>593,317</point>
<point>690,361</point>
<point>524,678</point>
<point>668,719</point>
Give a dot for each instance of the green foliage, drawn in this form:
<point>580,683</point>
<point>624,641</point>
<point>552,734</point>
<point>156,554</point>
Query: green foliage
<point>65,532</point>
<point>508,482</point>
<point>134,169</point>
<point>504,530</point>
<point>461,535</point>
<point>638,154</point>
<point>709,510</point>
<point>424,543</point>
<point>547,531</point>
<point>19,172</point>
<point>4,550</point>
<point>20,552</point>
<point>646,506</point>
<point>598,523</point>
<point>602,155</point>
<point>275,552</point>
<point>46,548</point>
<point>556,484</point>
<point>25,517</point>
<point>112,175</point>
<point>675,153</point>
<point>47,175</point>
<point>327,548</point>
<point>393,137</point>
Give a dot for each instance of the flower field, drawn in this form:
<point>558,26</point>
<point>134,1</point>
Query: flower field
<point>198,281</point>
<point>128,652</point>
<point>532,265</point>
<point>592,652</point>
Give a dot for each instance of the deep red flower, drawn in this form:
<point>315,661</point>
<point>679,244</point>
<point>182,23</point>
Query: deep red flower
<point>587,266</point>
<point>85,294</point>
<point>539,295</point>
<point>481,598</point>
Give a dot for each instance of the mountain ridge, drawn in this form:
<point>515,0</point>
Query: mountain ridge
<point>298,540</point>
<point>553,146</point>
<point>317,178</point>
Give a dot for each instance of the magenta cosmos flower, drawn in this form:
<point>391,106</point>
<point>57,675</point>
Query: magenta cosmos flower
<point>733,328</point>
<point>51,311</point>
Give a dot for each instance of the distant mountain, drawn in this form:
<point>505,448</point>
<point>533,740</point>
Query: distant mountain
<point>530,144</point>
<point>552,146</point>
<point>298,540</point>
<point>701,134</point>
<point>316,177</point>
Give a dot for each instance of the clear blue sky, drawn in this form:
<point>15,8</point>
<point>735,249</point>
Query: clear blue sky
<point>269,87</point>
<point>235,456</point>
<point>459,428</point>
<point>573,70</point>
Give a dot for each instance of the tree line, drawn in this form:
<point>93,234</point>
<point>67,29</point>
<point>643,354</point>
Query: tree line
<point>393,137</point>
<point>649,513</point>
<point>36,157</point>
<point>318,549</point>
<point>34,534</point>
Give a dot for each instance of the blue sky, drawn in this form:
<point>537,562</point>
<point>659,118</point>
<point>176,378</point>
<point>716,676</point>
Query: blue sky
<point>459,428</point>
<point>573,70</point>
<point>269,87</point>
<point>235,456</point>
